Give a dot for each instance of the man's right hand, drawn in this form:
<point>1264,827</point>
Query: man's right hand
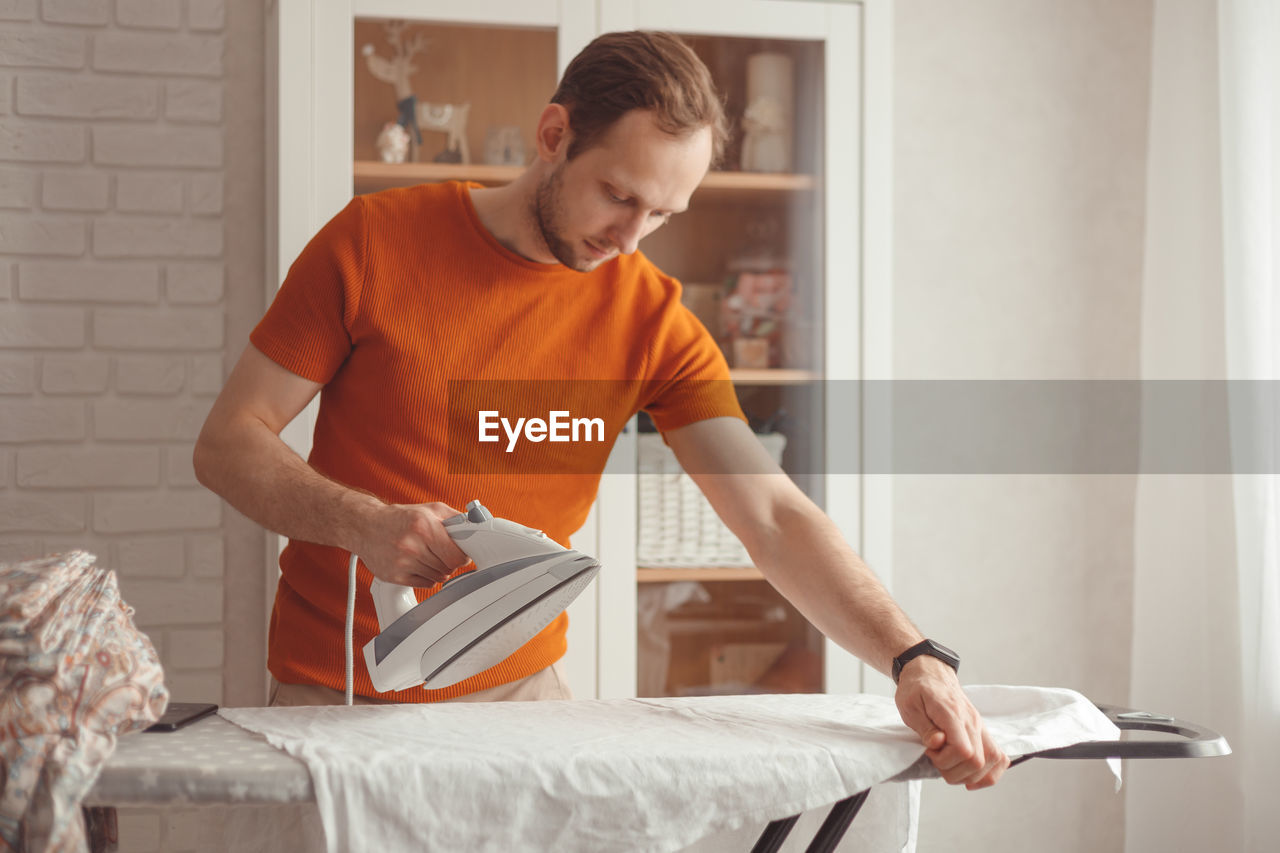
<point>407,544</point>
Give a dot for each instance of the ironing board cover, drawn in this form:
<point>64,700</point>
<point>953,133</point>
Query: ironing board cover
<point>622,774</point>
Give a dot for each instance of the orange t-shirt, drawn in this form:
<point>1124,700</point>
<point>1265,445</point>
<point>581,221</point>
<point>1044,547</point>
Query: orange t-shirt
<point>414,317</point>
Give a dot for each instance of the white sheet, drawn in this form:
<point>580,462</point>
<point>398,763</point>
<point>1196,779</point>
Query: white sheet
<point>635,774</point>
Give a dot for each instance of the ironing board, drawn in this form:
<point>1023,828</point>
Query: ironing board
<point>214,761</point>
<point>1189,741</point>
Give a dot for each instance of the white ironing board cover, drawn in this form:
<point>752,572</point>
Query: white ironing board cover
<point>626,774</point>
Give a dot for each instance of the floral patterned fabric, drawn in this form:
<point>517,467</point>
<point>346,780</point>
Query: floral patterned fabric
<point>74,674</point>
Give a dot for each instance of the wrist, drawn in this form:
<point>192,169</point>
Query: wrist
<point>926,649</point>
<point>364,514</point>
<point>923,667</point>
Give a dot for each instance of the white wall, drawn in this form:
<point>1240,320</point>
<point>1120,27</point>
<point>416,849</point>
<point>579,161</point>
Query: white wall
<point>131,265</point>
<point>1020,149</point>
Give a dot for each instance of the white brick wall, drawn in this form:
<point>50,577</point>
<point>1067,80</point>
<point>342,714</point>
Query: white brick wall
<point>112,304</point>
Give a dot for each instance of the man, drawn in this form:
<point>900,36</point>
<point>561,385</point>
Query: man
<point>407,291</point>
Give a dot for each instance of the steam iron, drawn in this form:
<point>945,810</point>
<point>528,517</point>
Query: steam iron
<point>522,581</point>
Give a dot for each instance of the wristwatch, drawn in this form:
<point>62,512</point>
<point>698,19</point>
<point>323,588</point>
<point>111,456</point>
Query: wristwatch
<point>927,647</point>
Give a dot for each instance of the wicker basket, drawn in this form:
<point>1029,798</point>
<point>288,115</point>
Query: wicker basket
<point>678,527</point>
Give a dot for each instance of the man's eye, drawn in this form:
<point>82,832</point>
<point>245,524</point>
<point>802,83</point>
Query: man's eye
<point>616,198</point>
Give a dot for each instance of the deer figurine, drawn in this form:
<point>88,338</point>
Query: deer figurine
<point>397,70</point>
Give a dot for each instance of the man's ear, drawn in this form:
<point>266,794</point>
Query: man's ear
<point>553,135</point>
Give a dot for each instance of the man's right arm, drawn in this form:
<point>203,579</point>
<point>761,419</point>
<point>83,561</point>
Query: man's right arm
<point>240,456</point>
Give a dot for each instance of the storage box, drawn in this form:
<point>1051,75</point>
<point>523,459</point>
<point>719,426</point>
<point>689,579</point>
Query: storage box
<point>678,527</point>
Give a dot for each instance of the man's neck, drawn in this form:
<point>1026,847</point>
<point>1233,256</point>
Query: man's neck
<point>506,212</point>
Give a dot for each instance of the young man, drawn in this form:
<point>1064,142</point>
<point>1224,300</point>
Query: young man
<point>407,290</point>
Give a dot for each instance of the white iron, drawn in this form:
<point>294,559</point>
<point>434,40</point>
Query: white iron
<point>522,581</point>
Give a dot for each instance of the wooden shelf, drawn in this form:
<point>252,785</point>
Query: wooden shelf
<point>373,175</point>
<point>773,376</point>
<point>668,575</point>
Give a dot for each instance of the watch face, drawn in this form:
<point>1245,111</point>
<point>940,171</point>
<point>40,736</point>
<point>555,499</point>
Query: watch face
<point>941,649</point>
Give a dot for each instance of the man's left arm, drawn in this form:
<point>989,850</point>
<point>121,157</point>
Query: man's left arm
<point>803,555</point>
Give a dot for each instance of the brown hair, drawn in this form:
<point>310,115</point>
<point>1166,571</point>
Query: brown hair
<point>620,72</point>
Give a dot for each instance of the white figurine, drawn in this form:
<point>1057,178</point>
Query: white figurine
<point>393,143</point>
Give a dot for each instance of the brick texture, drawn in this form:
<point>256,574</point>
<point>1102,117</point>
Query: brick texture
<point>73,374</point>
<point>139,236</point>
<point>22,327</point>
<point>148,420</point>
<point>158,53</point>
<point>149,14</point>
<point>41,142</point>
<point>17,188</point>
<point>161,374</point>
<point>156,557</point>
<point>38,419</point>
<point>17,10</point>
<point>167,329</point>
<point>76,11</point>
<point>86,97</point>
<point>17,374</point>
<point>112,316</point>
<point>31,235</point>
<point>44,48</point>
<point>75,190</point>
<point>88,468</point>
<point>194,283</point>
<point>193,100</point>
<point>144,145</point>
<point>149,193</point>
<point>71,281</point>
<point>135,512</point>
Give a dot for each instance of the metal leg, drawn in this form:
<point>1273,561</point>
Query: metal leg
<point>828,835</point>
<point>774,834</point>
<point>837,823</point>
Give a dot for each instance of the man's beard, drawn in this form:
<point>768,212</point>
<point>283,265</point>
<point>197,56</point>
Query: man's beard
<point>548,214</point>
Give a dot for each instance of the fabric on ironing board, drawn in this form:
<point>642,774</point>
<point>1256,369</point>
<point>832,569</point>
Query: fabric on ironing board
<point>627,774</point>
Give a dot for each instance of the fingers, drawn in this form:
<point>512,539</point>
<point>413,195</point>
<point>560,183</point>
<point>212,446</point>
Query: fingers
<point>997,763</point>
<point>412,546</point>
<point>977,764</point>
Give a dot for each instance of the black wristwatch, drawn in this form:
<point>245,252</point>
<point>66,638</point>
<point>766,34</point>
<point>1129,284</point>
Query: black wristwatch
<point>927,647</point>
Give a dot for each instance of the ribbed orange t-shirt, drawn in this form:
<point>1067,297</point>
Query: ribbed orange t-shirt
<point>410,312</point>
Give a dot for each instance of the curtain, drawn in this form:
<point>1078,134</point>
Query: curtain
<point>1206,642</point>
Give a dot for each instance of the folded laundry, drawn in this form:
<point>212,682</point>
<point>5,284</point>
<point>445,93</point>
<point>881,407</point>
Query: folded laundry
<point>75,674</point>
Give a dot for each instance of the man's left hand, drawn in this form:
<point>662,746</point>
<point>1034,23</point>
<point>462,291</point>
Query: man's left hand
<point>931,702</point>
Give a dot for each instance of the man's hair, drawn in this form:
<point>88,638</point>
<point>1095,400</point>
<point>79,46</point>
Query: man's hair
<point>620,72</point>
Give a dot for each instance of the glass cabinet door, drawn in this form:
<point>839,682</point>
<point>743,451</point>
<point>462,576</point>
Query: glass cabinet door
<point>749,252</point>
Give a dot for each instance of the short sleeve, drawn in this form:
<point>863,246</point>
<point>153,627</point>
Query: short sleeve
<point>689,378</point>
<point>307,328</point>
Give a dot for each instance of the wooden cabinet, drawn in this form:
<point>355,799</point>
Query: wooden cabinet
<point>819,224</point>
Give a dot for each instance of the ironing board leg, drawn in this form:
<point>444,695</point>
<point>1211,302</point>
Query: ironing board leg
<point>837,823</point>
<point>774,834</point>
<point>828,835</point>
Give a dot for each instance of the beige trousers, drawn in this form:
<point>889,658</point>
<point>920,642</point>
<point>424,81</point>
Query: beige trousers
<point>548,683</point>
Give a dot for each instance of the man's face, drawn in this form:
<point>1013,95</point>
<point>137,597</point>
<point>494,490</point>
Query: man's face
<point>604,201</point>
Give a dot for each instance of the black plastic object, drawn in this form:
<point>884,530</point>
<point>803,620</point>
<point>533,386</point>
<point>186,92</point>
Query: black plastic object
<point>179,714</point>
<point>1192,741</point>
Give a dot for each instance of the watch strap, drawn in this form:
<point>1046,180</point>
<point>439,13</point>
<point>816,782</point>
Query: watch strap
<point>925,647</point>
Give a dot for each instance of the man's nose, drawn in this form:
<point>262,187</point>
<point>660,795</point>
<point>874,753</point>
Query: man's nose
<point>627,233</point>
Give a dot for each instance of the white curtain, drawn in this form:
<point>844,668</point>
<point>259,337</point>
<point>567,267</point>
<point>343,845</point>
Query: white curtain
<point>1206,642</point>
